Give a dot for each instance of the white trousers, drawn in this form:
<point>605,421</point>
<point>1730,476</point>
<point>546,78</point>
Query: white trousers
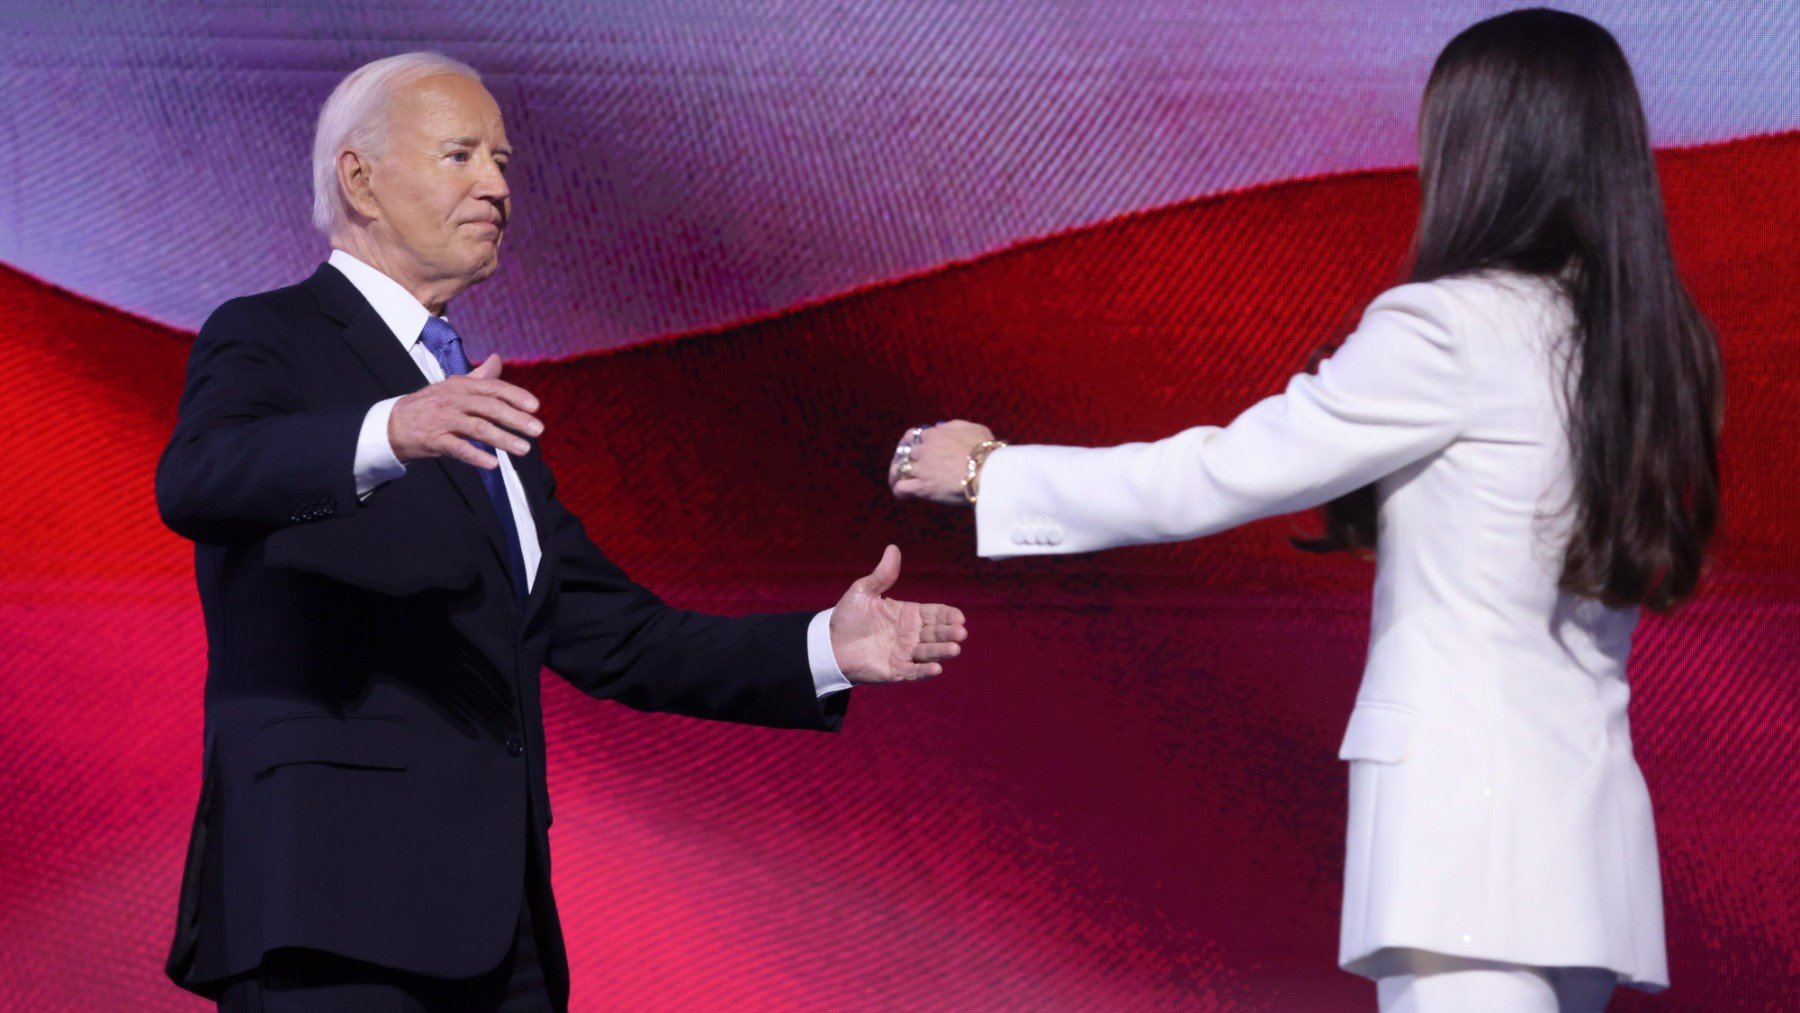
<point>1420,981</point>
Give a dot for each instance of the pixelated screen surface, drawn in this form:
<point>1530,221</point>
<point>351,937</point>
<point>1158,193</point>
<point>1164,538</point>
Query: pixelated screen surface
<point>753,244</point>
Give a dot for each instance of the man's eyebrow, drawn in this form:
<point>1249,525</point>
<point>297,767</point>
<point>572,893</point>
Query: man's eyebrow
<point>474,142</point>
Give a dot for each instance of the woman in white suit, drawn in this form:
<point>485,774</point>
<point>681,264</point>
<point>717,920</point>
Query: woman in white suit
<point>1529,426</point>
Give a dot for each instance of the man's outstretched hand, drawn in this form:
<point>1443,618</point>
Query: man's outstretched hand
<point>878,639</point>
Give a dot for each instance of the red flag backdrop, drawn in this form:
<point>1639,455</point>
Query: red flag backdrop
<point>1124,796</point>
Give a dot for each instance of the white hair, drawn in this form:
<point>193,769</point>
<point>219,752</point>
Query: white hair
<point>355,116</point>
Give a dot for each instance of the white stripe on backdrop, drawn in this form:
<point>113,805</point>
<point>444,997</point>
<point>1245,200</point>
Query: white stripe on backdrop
<point>684,165</point>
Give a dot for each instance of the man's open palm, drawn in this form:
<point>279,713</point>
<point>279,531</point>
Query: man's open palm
<point>878,639</point>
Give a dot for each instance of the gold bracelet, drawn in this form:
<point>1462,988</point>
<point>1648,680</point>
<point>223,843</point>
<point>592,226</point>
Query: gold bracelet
<point>971,483</point>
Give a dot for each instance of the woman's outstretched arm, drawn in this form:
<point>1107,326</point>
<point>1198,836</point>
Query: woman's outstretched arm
<point>1394,393</point>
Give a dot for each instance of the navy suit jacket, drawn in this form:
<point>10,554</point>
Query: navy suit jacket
<point>373,767</point>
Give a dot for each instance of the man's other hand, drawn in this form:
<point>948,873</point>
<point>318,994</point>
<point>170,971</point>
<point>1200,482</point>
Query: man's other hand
<point>877,639</point>
<point>440,420</point>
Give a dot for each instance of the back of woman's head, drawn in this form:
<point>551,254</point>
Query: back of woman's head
<point>1534,157</point>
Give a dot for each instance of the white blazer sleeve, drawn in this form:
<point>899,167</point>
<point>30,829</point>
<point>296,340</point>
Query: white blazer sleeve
<point>1394,393</point>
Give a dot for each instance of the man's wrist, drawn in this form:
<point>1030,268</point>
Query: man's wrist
<point>827,677</point>
<point>375,460</point>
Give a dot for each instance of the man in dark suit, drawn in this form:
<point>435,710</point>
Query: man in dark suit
<point>384,569</point>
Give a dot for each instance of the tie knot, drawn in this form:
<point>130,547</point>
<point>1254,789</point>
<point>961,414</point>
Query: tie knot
<point>445,346</point>
<point>439,335</point>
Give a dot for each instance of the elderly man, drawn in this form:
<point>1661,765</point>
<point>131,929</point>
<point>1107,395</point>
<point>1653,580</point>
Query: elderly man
<point>385,568</point>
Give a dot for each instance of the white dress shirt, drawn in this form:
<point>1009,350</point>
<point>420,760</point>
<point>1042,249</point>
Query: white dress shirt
<point>376,464</point>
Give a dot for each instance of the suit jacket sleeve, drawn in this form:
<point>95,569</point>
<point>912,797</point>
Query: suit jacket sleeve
<point>245,459</point>
<point>1394,393</point>
<point>615,640</point>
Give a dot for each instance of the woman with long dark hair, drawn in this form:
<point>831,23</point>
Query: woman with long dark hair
<point>1529,424</point>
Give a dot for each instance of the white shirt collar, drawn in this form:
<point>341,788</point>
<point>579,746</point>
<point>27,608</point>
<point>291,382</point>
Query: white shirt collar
<point>403,314</point>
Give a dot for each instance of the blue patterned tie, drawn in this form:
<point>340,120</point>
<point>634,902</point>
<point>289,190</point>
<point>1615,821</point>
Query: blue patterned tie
<point>446,347</point>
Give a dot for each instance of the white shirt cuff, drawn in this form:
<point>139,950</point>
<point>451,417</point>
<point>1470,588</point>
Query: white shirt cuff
<point>375,460</point>
<point>827,677</point>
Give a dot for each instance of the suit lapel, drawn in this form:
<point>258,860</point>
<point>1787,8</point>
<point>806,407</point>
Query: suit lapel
<point>369,338</point>
<point>365,332</point>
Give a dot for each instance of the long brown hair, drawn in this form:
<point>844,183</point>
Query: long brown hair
<point>1534,158</point>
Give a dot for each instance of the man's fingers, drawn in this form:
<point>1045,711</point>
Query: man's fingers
<point>935,652</point>
<point>500,413</point>
<point>499,416</point>
<point>466,452</point>
<point>903,673</point>
<point>942,634</point>
<point>507,417</point>
<point>494,436</point>
<point>886,573</point>
<point>941,615</point>
<point>512,394</point>
<point>489,368</point>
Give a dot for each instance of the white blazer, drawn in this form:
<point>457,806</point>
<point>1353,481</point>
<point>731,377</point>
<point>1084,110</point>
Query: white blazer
<point>1496,810</point>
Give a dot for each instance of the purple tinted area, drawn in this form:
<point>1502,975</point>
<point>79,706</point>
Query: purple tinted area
<point>685,165</point>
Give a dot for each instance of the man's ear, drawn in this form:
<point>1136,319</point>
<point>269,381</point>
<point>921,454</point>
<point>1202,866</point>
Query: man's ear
<point>353,172</point>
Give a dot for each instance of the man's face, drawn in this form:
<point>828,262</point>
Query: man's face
<point>441,185</point>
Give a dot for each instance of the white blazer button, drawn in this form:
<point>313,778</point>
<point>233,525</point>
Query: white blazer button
<point>1018,537</point>
<point>1055,537</point>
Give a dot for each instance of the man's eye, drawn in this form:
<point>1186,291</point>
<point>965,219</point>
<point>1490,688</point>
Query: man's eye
<point>502,165</point>
<point>459,156</point>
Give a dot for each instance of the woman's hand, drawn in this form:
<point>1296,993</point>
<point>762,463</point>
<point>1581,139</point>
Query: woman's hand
<point>932,461</point>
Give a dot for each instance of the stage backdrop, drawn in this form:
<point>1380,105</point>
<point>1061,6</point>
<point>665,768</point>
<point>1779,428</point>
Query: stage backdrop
<point>754,242</point>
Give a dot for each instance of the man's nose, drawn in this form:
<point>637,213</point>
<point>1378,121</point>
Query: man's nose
<point>492,184</point>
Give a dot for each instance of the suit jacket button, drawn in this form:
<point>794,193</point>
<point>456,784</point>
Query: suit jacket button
<point>514,746</point>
